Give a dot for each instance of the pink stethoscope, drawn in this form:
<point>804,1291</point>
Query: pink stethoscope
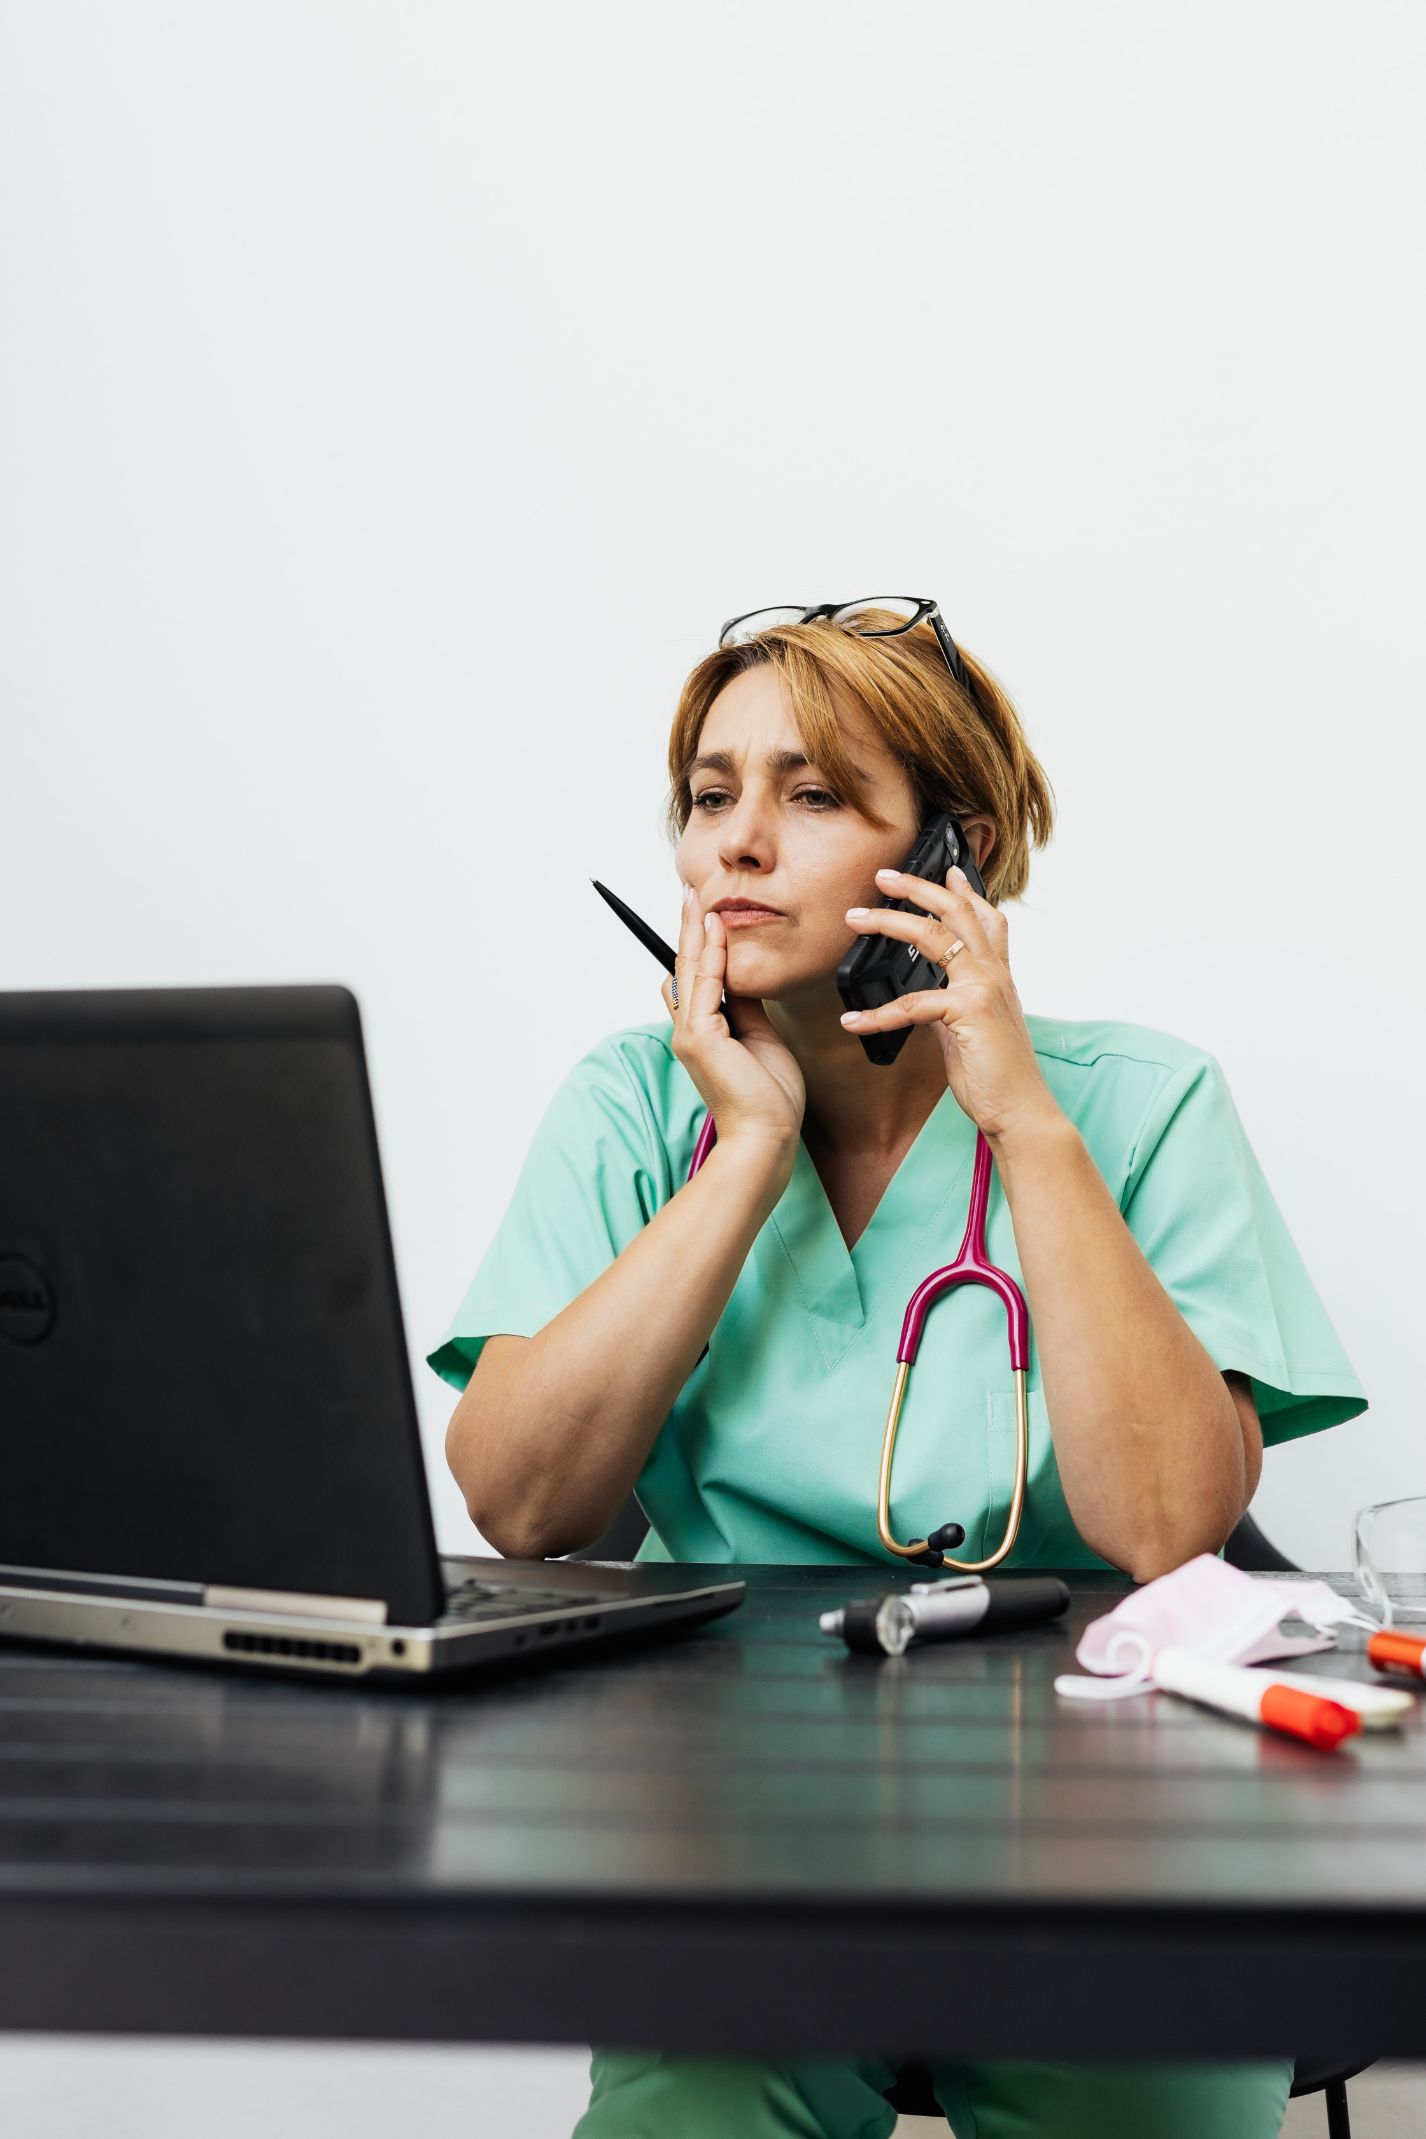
<point>972,1266</point>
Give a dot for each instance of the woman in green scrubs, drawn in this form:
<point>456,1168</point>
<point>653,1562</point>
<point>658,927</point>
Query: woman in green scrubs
<point>1174,1327</point>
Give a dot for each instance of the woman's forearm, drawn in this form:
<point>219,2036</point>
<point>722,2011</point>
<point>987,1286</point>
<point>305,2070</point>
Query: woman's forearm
<point>1150,1451</point>
<point>547,1446</point>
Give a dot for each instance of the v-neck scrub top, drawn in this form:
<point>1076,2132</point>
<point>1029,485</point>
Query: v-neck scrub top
<point>770,1452</point>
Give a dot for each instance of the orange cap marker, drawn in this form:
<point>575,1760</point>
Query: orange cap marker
<point>1237,1691</point>
<point>1307,1715</point>
<point>1399,1652</point>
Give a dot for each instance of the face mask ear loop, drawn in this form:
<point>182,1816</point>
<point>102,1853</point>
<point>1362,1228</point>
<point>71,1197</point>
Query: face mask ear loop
<point>1136,1646</point>
<point>1351,1615</point>
<point>1119,1686</point>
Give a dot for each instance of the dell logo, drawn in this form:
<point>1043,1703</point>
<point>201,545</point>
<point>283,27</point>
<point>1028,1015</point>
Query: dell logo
<point>26,1301</point>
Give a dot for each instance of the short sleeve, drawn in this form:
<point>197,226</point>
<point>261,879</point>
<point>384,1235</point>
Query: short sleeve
<point>1198,1205</point>
<point>595,1174</point>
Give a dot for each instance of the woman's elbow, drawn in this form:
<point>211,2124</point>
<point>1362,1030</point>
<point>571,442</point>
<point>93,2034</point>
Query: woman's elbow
<point>460,1463</point>
<point>1159,1551</point>
<point>457,1456</point>
<point>511,1532</point>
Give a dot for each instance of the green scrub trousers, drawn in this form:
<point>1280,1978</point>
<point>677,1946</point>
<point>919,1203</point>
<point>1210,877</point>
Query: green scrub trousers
<point>770,1451</point>
<point>641,2095</point>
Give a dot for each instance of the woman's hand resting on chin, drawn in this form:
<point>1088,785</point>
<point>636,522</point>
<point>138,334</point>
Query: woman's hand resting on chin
<point>748,1079</point>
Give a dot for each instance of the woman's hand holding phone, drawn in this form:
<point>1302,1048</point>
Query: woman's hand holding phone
<point>748,1079</point>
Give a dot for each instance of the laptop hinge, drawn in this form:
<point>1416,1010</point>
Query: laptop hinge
<point>298,1603</point>
<point>141,1588</point>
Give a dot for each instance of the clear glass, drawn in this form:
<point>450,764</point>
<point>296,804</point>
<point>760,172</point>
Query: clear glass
<point>1389,1555</point>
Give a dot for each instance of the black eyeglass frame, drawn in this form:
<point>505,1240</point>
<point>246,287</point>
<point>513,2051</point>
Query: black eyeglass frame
<point>926,612</point>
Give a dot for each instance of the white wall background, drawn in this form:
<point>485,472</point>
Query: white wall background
<point>395,398</point>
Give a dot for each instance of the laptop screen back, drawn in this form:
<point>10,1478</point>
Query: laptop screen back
<point>203,1372</point>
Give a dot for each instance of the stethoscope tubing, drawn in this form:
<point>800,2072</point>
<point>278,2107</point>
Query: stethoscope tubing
<point>972,1266</point>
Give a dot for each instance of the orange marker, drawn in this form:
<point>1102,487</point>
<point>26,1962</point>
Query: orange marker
<point>1256,1696</point>
<point>1399,1652</point>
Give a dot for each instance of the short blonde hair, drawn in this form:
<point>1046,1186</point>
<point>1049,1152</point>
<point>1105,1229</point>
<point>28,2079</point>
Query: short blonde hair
<point>965,754</point>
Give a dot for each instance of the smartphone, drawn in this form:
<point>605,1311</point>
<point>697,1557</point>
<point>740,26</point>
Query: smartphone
<point>877,969</point>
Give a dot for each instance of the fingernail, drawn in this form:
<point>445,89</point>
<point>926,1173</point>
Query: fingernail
<point>857,913</point>
<point>958,871</point>
<point>687,893</point>
<point>888,872</point>
<point>849,1017</point>
<point>708,924</point>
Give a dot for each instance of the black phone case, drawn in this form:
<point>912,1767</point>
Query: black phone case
<point>878,969</point>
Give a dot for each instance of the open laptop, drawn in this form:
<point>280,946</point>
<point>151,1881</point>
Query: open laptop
<point>208,1434</point>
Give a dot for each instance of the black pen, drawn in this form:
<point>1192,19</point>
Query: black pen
<point>649,937</point>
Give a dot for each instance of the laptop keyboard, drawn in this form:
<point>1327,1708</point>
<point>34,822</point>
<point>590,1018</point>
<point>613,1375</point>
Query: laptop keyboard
<point>472,1600</point>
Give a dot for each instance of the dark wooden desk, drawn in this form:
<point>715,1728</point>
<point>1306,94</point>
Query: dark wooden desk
<point>743,1840</point>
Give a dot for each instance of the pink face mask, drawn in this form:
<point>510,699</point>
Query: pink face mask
<point>1212,1609</point>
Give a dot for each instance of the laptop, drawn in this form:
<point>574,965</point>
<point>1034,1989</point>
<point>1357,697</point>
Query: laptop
<point>209,1445</point>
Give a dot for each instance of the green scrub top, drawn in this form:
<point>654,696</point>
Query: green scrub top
<point>771,1451</point>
